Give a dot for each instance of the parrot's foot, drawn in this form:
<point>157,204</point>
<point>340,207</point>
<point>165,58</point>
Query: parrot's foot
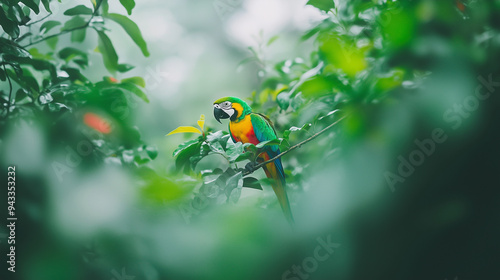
<point>250,166</point>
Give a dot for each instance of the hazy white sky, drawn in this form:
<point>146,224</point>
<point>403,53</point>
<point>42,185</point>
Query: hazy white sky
<point>241,21</point>
<point>270,16</point>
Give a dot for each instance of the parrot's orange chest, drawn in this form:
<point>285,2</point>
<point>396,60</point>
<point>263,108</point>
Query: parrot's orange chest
<point>242,131</point>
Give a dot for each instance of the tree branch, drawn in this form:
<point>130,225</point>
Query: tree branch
<point>38,20</point>
<point>98,5</point>
<point>293,147</point>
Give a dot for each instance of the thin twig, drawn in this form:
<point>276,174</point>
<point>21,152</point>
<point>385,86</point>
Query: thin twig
<point>68,30</point>
<point>10,90</point>
<point>39,20</point>
<point>293,147</point>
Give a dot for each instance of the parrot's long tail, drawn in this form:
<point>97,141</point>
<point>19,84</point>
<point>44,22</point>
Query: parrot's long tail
<point>274,170</point>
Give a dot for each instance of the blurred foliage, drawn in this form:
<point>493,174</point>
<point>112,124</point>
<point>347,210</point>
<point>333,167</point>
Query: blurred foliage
<point>395,68</point>
<point>44,88</point>
<point>50,89</point>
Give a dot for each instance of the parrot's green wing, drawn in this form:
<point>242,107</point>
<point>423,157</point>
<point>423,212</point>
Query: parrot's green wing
<point>263,129</point>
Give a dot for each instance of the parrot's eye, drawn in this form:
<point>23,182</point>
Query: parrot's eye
<point>227,104</point>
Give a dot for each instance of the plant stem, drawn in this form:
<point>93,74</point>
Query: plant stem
<point>293,147</point>
<point>37,21</point>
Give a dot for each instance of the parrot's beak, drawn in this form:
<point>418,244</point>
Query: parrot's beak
<point>220,114</point>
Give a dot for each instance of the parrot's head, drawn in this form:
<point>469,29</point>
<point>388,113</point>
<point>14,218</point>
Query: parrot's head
<point>230,108</point>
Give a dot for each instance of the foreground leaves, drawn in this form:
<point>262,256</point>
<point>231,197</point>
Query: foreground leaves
<point>132,30</point>
<point>190,129</point>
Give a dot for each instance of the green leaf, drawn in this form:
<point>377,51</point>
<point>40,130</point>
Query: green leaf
<point>283,100</point>
<point>234,150</point>
<point>304,77</point>
<point>233,187</point>
<point>128,5</point>
<point>234,181</point>
<point>48,25</point>
<point>250,182</point>
<point>316,87</point>
<point>152,152</point>
<point>12,48</point>
<point>56,107</point>
<point>24,79</point>
<point>341,52</point>
<point>26,11</point>
<point>32,5</point>
<point>250,148</point>
<point>132,30</point>
<point>245,156</point>
<point>122,68</point>
<point>109,56</point>
<point>272,39</point>
<point>30,80</point>
<point>15,13</point>
<point>324,5</point>
<point>78,25</point>
<point>16,76</point>
<point>17,70</point>
<point>215,136</point>
<point>46,5</point>
<point>74,74</point>
<point>78,10</point>
<point>39,64</point>
<point>139,160</point>
<point>74,22</point>
<point>104,7</point>
<point>69,53</point>
<point>310,33</point>
<point>216,147</point>
<point>400,30</point>
<point>8,26</point>
<point>306,126</point>
<point>135,90</point>
<point>185,151</point>
<point>136,81</point>
<point>184,129</point>
<point>78,35</point>
<point>52,42</point>
<point>390,80</point>
<point>268,143</point>
<point>78,56</point>
<point>20,94</point>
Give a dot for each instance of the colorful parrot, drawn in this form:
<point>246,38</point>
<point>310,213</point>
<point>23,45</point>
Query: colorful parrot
<point>248,127</point>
